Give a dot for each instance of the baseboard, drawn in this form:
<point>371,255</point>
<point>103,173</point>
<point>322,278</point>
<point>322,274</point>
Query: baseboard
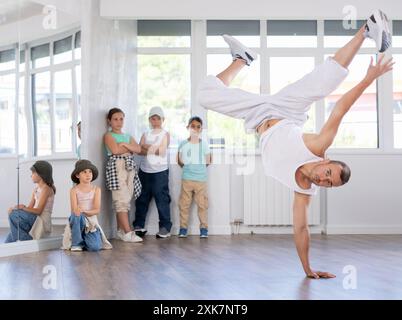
<point>55,221</point>
<point>245,229</point>
<point>364,229</point>
<point>23,247</point>
<point>193,230</point>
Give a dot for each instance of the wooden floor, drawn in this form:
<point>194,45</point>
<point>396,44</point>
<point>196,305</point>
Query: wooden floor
<point>221,267</point>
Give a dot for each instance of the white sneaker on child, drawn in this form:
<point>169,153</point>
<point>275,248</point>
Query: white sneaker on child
<point>135,238</point>
<point>240,51</point>
<point>76,248</point>
<point>128,237</point>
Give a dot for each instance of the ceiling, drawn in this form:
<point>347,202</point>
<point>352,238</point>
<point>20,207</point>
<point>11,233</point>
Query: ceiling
<point>12,10</point>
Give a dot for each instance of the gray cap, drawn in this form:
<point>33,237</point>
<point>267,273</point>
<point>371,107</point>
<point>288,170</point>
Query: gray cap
<point>156,111</point>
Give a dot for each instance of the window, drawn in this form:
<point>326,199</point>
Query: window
<point>293,48</point>
<point>164,33</point>
<point>40,56</point>
<point>397,34</point>
<point>286,70</point>
<point>338,32</point>
<point>7,59</point>
<point>41,99</point>
<point>55,96</point>
<point>359,128</point>
<point>63,110</point>
<point>246,31</point>
<point>295,34</point>
<point>164,80</point>
<point>62,50</point>
<point>164,77</point>
<point>224,128</point>
<point>7,113</point>
<point>48,97</point>
<point>78,90</point>
<point>77,45</point>
<point>22,61</point>
<point>226,131</point>
<point>397,107</point>
<point>22,120</point>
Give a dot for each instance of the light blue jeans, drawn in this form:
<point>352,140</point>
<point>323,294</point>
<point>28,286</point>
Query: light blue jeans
<point>21,223</point>
<point>92,241</point>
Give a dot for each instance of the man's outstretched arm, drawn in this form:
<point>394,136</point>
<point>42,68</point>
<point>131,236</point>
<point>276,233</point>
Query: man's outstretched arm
<point>302,235</point>
<point>329,130</point>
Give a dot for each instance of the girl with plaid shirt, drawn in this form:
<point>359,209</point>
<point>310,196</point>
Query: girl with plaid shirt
<point>121,172</point>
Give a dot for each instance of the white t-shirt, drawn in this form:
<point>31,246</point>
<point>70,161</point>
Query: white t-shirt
<point>154,163</point>
<point>283,151</point>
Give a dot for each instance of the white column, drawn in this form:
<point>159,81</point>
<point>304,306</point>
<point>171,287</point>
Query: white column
<point>108,80</point>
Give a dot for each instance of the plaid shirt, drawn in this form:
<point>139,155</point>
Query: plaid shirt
<point>112,182</point>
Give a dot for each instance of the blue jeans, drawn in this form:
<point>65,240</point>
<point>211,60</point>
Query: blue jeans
<point>92,241</point>
<point>21,223</point>
<point>154,185</point>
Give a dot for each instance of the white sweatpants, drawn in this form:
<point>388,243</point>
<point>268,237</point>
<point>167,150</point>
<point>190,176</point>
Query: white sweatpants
<point>292,102</point>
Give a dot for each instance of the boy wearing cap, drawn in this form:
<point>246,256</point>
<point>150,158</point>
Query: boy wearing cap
<point>154,175</point>
<point>83,230</point>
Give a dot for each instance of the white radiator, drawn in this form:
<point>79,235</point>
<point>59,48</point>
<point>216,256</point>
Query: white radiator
<point>268,202</point>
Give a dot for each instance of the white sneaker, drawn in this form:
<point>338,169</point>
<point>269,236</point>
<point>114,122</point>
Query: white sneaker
<point>128,237</point>
<point>240,51</point>
<point>377,28</point>
<point>135,238</point>
<point>76,248</point>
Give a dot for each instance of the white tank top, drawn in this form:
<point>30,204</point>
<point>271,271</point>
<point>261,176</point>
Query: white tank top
<point>153,163</point>
<point>283,151</point>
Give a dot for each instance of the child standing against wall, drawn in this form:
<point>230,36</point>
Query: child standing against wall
<point>83,230</point>
<point>154,175</point>
<point>32,222</point>
<point>194,156</point>
<point>121,172</point>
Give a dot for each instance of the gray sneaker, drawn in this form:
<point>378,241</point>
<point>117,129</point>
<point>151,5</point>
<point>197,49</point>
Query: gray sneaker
<point>163,233</point>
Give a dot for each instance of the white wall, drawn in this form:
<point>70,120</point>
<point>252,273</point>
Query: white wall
<point>252,9</point>
<point>372,200</point>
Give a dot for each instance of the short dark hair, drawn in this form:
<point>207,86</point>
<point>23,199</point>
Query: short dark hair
<point>113,111</point>
<point>345,173</point>
<point>195,118</point>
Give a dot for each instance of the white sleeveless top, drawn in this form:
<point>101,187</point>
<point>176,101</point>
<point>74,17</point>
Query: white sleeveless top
<point>283,151</point>
<point>153,163</point>
<point>43,222</point>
